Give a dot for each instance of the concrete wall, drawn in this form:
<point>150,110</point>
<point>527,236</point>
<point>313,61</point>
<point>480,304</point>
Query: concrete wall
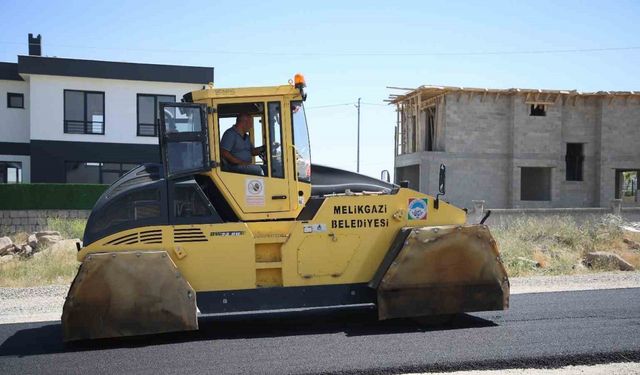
<point>620,145</point>
<point>15,221</point>
<point>475,152</point>
<point>477,126</point>
<point>580,124</point>
<point>14,122</point>
<point>504,217</point>
<point>537,142</point>
<point>47,107</point>
<point>488,140</point>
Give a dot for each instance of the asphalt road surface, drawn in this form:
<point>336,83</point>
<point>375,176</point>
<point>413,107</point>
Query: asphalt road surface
<point>539,330</point>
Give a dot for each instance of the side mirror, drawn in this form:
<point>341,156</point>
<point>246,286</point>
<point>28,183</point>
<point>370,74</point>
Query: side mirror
<point>441,186</point>
<point>385,176</point>
<point>441,180</point>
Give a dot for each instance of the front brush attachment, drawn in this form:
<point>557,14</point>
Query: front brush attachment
<point>441,270</point>
<point>126,294</point>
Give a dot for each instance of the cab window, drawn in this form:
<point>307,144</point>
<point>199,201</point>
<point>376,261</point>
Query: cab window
<point>275,140</point>
<point>190,205</point>
<point>246,146</point>
<point>302,151</point>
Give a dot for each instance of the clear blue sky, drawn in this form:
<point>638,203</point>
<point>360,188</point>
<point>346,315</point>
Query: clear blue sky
<point>348,49</point>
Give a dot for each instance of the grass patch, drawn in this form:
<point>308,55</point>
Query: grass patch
<point>54,265</point>
<point>68,228</point>
<point>555,245</point>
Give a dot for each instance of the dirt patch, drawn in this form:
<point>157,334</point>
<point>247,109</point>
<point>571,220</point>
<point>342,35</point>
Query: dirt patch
<point>558,245</point>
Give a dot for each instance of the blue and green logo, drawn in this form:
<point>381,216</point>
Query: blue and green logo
<point>417,208</point>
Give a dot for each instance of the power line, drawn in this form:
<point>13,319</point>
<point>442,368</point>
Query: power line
<point>337,53</point>
<point>330,105</point>
<point>346,104</point>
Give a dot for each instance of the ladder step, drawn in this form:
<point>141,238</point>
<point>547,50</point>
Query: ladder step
<point>272,239</point>
<point>265,265</point>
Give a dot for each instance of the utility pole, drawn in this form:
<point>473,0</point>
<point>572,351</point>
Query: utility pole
<point>358,158</point>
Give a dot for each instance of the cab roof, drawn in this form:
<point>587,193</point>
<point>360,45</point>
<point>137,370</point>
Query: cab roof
<point>222,93</point>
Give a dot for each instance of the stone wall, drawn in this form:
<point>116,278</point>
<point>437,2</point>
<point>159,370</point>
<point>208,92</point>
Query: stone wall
<point>502,217</point>
<point>15,221</point>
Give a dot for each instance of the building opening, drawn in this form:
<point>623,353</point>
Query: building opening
<point>627,186</point>
<point>10,172</point>
<point>535,184</point>
<point>574,160</point>
<point>409,173</point>
<point>538,110</point>
<point>431,129</point>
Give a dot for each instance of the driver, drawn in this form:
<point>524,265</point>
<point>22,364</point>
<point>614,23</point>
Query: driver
<point>236,147</point>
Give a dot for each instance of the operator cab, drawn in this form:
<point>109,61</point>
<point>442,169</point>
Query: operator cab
<point>276,184</point>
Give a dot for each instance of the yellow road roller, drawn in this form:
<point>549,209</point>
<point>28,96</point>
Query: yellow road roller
<point>209,233</point>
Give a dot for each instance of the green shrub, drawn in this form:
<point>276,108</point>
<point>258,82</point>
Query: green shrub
<point>68,228</point>
<point>49,196</point>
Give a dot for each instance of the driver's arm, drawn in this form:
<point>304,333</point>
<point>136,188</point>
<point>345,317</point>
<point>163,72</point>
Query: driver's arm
<point>228,156</point>
<point>257,150</point>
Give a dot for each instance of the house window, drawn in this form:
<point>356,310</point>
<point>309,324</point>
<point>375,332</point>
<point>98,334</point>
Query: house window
<point>148,112</point>
<point>84,172</point>
<point>574,160</point>
<point>83,112</point>
<point>535,184</point>
<point>10,172</point>
<point>538,110</point>
<point>15,100</point>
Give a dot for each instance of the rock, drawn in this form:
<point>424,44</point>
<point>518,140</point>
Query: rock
<point>49,237</point>
<point>47,233</point>
<point>531,262</point>
<point>605,260</point>
<point>32,240</point>
<point>578,266</point>
<point>6,258</point>
<point>631,243</point>
<point>13,249</point>
<point>26,251</point>
<point>5,245</point>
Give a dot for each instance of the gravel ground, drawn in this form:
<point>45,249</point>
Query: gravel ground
<point>44,303</point>
<point>609,369</point>
<point>588,281</point>
<point>35,304</point>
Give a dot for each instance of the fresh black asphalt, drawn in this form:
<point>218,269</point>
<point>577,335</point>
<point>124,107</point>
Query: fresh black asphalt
<point>539,330</point>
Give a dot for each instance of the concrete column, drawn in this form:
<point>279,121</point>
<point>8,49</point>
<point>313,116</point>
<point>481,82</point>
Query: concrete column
<point>615,206</point>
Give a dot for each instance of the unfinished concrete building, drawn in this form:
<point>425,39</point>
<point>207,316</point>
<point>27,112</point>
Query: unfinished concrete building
<point>520,148</point>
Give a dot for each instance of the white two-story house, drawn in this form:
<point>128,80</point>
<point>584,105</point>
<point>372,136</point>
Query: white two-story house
<point>83,121</point>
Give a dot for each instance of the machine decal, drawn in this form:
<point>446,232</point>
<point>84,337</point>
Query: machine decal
<point>254,191</point>
<point>229,233</point>
<point>359,223</point>
<point>359,209</point>
<point>314,228</point>
<point>417,208</point>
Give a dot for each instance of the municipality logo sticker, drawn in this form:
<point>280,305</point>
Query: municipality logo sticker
<point>417,209</point>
